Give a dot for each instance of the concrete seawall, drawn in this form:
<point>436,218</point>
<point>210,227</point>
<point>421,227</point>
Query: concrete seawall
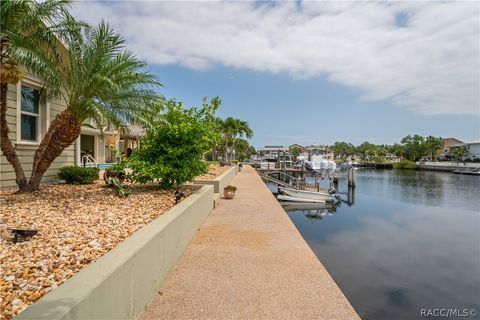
<point>221,181</point>
<point>448,166</point>
<point>248,261</point>
<point>121,283</point>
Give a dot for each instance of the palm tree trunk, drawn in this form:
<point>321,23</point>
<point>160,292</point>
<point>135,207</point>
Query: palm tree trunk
<point>5,144</point>
<point>226,149</point>
<point>62,132</point>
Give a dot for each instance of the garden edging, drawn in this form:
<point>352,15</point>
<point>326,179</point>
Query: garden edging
<point>121,283</point>
<point>221,181</point>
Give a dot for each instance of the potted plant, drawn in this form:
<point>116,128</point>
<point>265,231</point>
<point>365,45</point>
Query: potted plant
<point>229,192</point>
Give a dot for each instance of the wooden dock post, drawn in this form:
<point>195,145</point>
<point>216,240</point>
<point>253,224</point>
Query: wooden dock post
<point>351,196</point>
<point>351,177</point>
<point>335,183</point>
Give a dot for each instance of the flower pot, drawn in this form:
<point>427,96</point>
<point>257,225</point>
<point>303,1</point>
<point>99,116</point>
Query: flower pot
<point>228,193</point>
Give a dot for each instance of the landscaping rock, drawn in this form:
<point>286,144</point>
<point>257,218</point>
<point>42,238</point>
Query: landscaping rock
<point>76,224</point>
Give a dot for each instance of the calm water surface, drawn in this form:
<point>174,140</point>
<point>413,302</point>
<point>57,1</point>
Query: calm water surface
<point>410,241</point>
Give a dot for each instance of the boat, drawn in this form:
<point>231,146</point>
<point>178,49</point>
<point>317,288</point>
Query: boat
<point>319,164</point>
<point>306,206</point>
<point>302,194</point>
<point>473,172</point>
<point>296,199</point>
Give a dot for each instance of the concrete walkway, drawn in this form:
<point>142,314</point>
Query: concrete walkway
<point>248,261</point>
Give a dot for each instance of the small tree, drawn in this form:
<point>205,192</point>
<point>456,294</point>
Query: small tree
<point>172,152</point>
<point>459,152</point>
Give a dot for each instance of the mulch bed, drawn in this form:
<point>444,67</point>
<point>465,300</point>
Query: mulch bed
<point>214,170</point>
<point>76,225</point>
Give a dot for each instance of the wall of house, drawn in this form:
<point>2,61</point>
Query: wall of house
<point>473,150</point>
<point>26,152</point>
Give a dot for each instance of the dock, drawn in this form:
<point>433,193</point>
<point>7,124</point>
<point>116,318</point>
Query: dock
<point>248,261</point>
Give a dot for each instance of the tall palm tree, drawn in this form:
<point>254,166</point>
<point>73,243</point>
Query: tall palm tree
<point>25,40</point>
<point>232,128</point>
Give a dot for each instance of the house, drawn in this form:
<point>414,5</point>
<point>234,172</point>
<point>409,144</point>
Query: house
<point>448,143</point>
<point>327,153</point>
<point>271,152</point>
<point>29,118</point>
<point>473,149</point>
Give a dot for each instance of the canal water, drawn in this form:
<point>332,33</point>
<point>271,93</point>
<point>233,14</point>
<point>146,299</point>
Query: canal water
<point>410,241</point>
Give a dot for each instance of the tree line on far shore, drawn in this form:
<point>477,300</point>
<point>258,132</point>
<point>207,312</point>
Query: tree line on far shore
<point>411,147</point>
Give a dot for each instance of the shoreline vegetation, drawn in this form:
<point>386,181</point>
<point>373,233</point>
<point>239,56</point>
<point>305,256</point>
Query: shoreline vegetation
<point>405,164</point>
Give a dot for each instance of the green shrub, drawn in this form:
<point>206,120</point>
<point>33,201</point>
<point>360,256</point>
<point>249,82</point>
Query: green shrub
<point>172,153</point>
<point>78,175</point>
<point>405,164</point>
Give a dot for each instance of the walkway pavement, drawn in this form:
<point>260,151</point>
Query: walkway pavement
<point>248,261</point>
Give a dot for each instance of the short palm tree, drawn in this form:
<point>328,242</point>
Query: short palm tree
<point>25,40</point>
<point>99,80</point>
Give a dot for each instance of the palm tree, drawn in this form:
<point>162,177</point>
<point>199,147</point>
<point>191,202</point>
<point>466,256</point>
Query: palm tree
<point>231,128</point>
<point>25,40</point>
<point>98,79</point>
<point>101,81</point>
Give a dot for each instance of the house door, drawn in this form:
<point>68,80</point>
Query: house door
<point>87,145</point>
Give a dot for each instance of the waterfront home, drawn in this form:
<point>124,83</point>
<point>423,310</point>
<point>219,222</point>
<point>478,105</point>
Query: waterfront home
<point>447,145</point>
<point>324,151</point>
<point>29,117</point>
<point>473,149</point>
<point>271,152</point>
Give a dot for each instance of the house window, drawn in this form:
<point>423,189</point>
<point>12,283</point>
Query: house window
<point>30,113</point>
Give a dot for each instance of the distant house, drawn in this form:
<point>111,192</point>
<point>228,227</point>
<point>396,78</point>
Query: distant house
<point>448,143</point>
<point>324,151</point>
<point>473,149</point>
<point>271,152</point>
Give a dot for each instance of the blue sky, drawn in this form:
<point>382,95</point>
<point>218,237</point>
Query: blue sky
<point>314,72</point>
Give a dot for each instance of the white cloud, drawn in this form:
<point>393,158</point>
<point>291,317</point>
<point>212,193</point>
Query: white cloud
<point>428,63</point>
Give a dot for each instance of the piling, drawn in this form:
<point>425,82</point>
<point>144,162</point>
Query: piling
<point>351,196</point>
<point>335,183</point>
<point>351,177</point>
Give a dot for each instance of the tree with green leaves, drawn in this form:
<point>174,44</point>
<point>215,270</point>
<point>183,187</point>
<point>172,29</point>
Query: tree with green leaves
<point>242,149</point>
<point>27,39</point>
<point>295,151</point>
<point>232,128</point>
<point>173,152</point>
<point>366,151</point>
<point>414,147</point>
<point>459,152</point>
<point>432,145</point>
<point>343,150</point>
<point>94,75</point>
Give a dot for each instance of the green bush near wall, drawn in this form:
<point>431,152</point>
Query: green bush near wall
<point>78,175</point>
<point>405,164</point>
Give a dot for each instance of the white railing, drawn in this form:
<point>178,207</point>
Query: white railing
<point>88,159</point>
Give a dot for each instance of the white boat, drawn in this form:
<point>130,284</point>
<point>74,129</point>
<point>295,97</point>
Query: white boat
<point>302,194</point>
<point>296,199</point>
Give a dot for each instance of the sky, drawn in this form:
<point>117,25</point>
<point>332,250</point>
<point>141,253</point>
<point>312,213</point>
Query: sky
<point>313,72</point>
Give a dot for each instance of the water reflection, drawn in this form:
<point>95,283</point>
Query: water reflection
<point>409,241</point>
<point>312,211</point>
